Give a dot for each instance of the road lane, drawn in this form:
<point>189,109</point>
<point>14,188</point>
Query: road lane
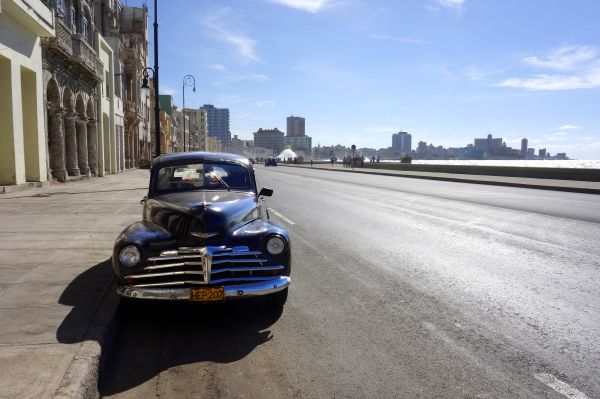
<point>401,288</point>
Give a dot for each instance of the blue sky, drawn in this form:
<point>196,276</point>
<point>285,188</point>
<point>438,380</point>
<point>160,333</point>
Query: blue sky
<point>446,71</point>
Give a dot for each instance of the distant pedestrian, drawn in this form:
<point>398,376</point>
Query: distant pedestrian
<point>311,163</point>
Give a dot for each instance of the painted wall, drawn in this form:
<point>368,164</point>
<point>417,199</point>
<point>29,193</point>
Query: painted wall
<point>22,117</point>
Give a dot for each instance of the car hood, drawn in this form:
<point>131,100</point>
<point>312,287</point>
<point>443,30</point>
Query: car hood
<point>201,217</point>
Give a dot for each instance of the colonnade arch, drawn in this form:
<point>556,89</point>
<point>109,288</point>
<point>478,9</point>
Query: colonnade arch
<point>72,132</point>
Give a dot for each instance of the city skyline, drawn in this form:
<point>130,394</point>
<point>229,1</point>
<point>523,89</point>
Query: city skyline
<point>449,73</point>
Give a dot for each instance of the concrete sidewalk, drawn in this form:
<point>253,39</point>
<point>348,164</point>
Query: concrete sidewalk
<point>543,184</point>
<point>56,294</point>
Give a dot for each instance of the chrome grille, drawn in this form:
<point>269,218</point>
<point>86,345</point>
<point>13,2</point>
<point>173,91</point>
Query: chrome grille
<point>191,266</point>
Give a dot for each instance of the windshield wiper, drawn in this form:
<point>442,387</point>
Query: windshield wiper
<point>213,174</point>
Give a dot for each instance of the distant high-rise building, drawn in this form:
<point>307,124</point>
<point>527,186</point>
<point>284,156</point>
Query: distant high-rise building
<point>401,142</point>
<point>542,153</point>
<point>295,126</point>
<point>530,153</point>
<point>271,139</point>
<point>488,146</point>
<point>524,148</point>
<point>218,123</point>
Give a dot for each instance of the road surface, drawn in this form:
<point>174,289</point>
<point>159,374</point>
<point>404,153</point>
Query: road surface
<point>402,288</point>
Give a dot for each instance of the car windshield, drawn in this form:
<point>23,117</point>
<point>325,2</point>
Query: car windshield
<point>203,176</point>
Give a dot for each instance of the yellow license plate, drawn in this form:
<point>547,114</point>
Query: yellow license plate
<point>207,294</point>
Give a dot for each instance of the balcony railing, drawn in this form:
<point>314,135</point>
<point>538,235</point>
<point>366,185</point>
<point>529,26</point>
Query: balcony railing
<point>85,55</point>
<point>62,41</point>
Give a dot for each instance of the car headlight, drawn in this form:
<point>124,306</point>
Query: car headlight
<point>275,245</point>
<point>130,255</point>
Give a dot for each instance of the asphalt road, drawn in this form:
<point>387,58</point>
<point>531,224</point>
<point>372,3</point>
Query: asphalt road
<point>402,288</point>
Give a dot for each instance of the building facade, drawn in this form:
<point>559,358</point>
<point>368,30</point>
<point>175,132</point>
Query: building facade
<point>23,144</point>
<point>524,143</point>
<point>295,126</point>
<point>73,73</point>
<point>218,123</point>
<point>198,129</point>
<point>272,139</point>
<point>301,145</point>
<point>401,143</point>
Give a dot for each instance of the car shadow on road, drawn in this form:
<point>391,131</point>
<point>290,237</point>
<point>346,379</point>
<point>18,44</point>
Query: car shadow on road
<point>153,337</point>
<point>84,294</point>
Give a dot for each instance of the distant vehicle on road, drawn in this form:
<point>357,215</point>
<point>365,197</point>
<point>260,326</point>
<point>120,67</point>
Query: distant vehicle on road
<point>205,235</point>
<point>271,162</point>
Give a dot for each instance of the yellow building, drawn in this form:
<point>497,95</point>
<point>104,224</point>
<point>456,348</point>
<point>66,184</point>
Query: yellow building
<point>167,138</point>
<point>23,148</point>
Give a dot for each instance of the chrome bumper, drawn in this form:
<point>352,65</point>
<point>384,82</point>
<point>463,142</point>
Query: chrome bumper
<point>231,291</point>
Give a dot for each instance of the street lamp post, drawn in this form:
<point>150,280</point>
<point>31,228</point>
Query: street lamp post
<point>188,80</point>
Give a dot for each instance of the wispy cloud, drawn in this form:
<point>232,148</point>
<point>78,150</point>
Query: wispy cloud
<point>574,67</point>
<point>168,90</point>
<point>217,67</point>
<point>244,45</point>
<point>265,104</point>
<point>258,77</point>
<point>564,58</point>
<point>311,6</point>
<point>569,127</point>
<point>397,39</point>
<point>437,5</point>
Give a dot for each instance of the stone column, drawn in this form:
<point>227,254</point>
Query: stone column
<point>92,141</point>
<point>71,145</point>
<point>56,138</point>
<point>127,151</point>
<point>122,153</point>
<point>82,148</point>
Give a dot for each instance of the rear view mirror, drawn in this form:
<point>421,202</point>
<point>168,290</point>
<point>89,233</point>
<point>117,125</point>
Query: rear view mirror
<point>265,192</point>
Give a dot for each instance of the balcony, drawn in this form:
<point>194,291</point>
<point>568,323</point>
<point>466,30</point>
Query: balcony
<point>62,42</point>
<point>132,110</point>
<point>86,57</point>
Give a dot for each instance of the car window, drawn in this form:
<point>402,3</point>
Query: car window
<point>202,176</point>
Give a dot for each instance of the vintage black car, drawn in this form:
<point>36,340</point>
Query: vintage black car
<point>205,235</point>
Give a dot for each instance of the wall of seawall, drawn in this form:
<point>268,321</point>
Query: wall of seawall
<point>509,171</point>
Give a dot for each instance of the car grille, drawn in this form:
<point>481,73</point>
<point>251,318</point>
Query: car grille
<point>191,266</point>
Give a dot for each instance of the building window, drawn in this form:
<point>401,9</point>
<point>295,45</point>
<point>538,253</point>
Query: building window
<point>73,19</point>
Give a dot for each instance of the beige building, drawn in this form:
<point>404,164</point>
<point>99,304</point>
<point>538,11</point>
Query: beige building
<point>23,153</point>
<point>198,129</point>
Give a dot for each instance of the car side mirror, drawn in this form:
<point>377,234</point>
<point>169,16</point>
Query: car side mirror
<point>143,200</point>
<point>265,192</point>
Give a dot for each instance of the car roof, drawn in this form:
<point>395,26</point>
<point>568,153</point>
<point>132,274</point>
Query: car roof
<point>199,156</point>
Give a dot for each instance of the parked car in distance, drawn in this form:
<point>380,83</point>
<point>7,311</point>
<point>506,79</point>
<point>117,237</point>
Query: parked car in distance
<point>205,235</point>
<point>271,161</point>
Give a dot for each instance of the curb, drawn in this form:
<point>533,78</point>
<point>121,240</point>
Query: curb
<point>461,180</point>
<point>81,378</point>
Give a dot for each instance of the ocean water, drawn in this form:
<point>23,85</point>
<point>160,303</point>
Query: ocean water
<point>585,164</point>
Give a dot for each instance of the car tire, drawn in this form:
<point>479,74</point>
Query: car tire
<point>278,299</point>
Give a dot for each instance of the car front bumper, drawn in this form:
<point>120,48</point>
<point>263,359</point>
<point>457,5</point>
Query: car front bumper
<point>231,291</point>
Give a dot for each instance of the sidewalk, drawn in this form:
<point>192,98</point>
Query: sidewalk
<point>524,182</point>
<point>56,294</point>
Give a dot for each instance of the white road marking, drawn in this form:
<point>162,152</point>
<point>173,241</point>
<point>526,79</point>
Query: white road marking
<point>560,386</point>
<point>280,216</point>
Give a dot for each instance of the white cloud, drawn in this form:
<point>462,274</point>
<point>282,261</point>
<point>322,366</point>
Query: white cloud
<point>569,127</point>
<point>311,6</point>
<point>168,90</point>
<point>258,77</point>
<point>265,104</point>
<point>398,39</point>
<point>575,67</point>
<point>451,3</point>
<point>218,67</point>
<point>564,58</point>
<point>244,45</point>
